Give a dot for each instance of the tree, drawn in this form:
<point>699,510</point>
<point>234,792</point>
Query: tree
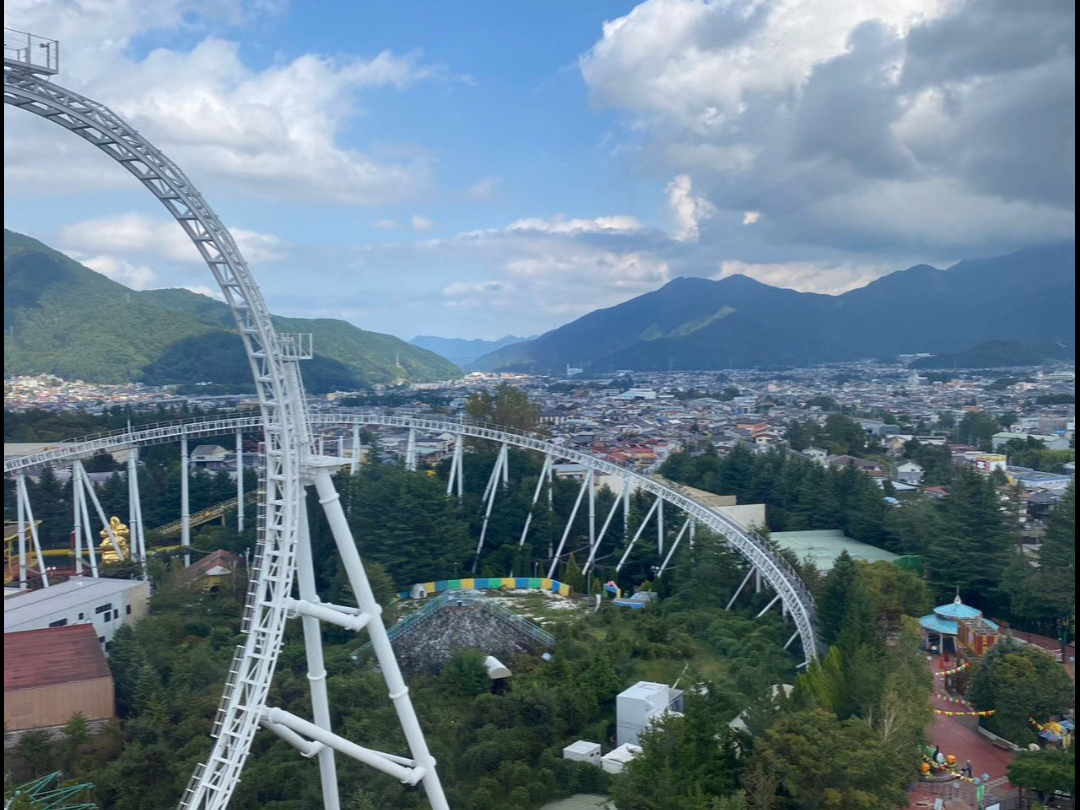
<point>824,762</point>
<point>977,428</point>
<point>1044,771</point>
<point>508,407</point>
<point>1018,682</point>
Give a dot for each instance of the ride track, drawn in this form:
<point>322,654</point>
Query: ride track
<point>291,466</point>
<point>284,551</point>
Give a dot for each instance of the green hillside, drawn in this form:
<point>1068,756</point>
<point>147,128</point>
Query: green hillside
<point>65,319</point>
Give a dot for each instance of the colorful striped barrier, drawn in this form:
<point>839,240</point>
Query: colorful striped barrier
<point>492,584</point>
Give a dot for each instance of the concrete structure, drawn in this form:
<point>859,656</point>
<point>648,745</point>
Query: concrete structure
<point>107,604</point>
<point>496,669</point>
<point>823,546</point>
<point>639,706</point>
<point>52,674</point>
<point>583,751</point>
<point>615,761</point>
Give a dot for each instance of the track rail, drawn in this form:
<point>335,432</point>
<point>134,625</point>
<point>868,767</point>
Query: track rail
<point>760,555</point>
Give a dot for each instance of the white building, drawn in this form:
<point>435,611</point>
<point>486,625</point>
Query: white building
<point>106,603</point>
<point>583,751</point>
<point>639,706</point>
<point>616,760</point>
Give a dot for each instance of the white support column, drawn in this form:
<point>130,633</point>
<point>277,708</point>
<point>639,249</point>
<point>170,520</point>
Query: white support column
<point>76,503</point>
<point>20,521</point>
<point>107,528</point>
<point>138,530</point>
<point>765,609</point>
<point>757,581</point>
<point>739,590</point>
<point>637,534</point>
<point>693,525</point>
<point>84,483</point>
<point>320,702</point>
<point>410,451</point>
<point>322,444</point>
<point>660,528</point>
<point>399,692</point>
<point>460,468</point>
<point>569,526</point>
<point>675,545</point>
<point>36,540</point>
<point>551,500</point>
<point>506,464</point>
<point>185,505</point>
<point>626,508</point>
<point>600,537</point>
<point>489,493</point>
<point>354,462</point>
<point>591,476</point>
<point>239,481</point>
<point>791,640</point>
<point>535,499</point>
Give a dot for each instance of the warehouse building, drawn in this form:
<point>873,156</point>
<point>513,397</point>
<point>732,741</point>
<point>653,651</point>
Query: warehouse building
<point>52,674</point>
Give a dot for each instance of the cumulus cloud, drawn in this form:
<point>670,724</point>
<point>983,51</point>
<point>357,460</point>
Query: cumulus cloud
<point>135,276</point>
<point>420,224</point>
<point>817,277</point>
<point>618,223</point>
<point>802,111</point>
<point>272,132</point>
<point>160,238</point>
<point>384,224</point>
<point>689,210</point>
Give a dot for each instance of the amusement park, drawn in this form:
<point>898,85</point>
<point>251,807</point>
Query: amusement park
<point>264,608</point>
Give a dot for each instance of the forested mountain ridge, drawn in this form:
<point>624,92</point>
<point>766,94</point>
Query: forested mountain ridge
<point>700,324</point>
<point>462,351</point>
<point>63,318</point>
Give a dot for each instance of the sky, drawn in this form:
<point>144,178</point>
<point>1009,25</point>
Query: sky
<point>483,168</point>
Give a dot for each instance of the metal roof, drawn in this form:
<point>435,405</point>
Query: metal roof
<point>32,605</point>
<point>823,546</point>
<point>53,656</point>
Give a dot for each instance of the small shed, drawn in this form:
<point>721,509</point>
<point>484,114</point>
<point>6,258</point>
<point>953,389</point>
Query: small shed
<point>583,751</point>
<point>496,669</point>
<point>615,761</point>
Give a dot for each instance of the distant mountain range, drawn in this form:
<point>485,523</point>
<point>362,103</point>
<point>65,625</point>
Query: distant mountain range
<point>63,318</point>
<point>700,324</point>
<point>462,352</point>
<point>1000,354</point>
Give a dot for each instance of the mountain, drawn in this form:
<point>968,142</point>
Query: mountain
<point>65,319</point>
<point>698,324</point>
<point>1000,354</point>
<point>461,352</point>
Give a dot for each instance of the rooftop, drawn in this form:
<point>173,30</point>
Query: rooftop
<point>53,656</point>
<point>823,546</point>
<point>30,605</point>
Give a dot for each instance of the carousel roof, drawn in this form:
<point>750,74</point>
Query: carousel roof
<point>957,610</point>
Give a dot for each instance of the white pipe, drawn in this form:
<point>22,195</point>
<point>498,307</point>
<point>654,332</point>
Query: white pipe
<point>399,692</point>
<point>138,531</point>
<point>660,527</point>
<point>569,526</point>
<point>307,748</point>
<point>637,534</point>
<point>354,463</point>
<point>90,546</point>
<point>101,515</point>
<point>591,477</point>
<point>320,702</point>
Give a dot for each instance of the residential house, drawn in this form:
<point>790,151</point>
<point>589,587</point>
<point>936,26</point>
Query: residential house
<point>909,473</point>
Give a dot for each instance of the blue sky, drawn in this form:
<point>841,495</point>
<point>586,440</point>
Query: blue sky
<point>483,168</point>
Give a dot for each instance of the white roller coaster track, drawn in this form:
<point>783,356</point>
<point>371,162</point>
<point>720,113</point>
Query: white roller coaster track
<point>773,567</point>
<point>290,468</point>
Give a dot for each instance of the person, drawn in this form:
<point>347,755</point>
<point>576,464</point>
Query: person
<point>969,772</point>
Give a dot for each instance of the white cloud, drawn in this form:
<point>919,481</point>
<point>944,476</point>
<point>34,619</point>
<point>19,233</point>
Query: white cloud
<point>135,276</point>
<point>689,210</point>
<point>384,224</point>
<point>273,132</point>
<point>816,277</point>
<point>209,292</point>
<point>421,224</point>
<point>486,189</point>
<point>750,217</point>
<point>138,234</point>
<point>618,223</point>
